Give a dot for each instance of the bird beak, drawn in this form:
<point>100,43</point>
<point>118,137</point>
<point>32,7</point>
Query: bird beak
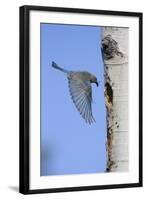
<point>97,83</point>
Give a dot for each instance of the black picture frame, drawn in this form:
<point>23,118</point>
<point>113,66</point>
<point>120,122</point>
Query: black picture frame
<point>25,105</point>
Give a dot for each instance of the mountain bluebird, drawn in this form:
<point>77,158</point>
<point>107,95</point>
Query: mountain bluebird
<point>80,90</point>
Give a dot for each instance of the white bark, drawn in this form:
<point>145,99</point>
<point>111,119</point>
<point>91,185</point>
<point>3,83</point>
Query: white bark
<point>116,75</point>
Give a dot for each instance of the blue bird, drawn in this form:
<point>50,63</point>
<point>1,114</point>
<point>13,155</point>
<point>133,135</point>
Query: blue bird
<point>80,90</point>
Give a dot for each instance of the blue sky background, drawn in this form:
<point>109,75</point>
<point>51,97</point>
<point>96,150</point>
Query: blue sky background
<point>68,144</point>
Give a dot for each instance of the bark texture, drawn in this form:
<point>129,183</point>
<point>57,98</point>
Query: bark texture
<point>115,55</point>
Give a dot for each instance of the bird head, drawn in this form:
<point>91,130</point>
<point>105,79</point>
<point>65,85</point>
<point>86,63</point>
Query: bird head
<point>94,80</point>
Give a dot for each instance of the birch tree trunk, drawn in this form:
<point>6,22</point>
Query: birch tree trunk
<point>115,55</point>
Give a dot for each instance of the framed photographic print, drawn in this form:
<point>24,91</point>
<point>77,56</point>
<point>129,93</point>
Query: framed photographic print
<point>80,99</point>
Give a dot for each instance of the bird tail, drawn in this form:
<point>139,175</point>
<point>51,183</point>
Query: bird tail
<point>54,65</point>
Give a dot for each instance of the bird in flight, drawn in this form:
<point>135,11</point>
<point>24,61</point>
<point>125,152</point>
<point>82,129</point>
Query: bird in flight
<point>80,90</point>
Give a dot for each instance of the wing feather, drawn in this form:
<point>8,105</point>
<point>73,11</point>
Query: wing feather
<point>81,94</point>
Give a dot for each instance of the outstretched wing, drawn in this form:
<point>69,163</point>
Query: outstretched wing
<point>81,93</point>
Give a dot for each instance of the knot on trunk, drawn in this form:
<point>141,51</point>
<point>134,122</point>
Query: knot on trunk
<point>110,48</point>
